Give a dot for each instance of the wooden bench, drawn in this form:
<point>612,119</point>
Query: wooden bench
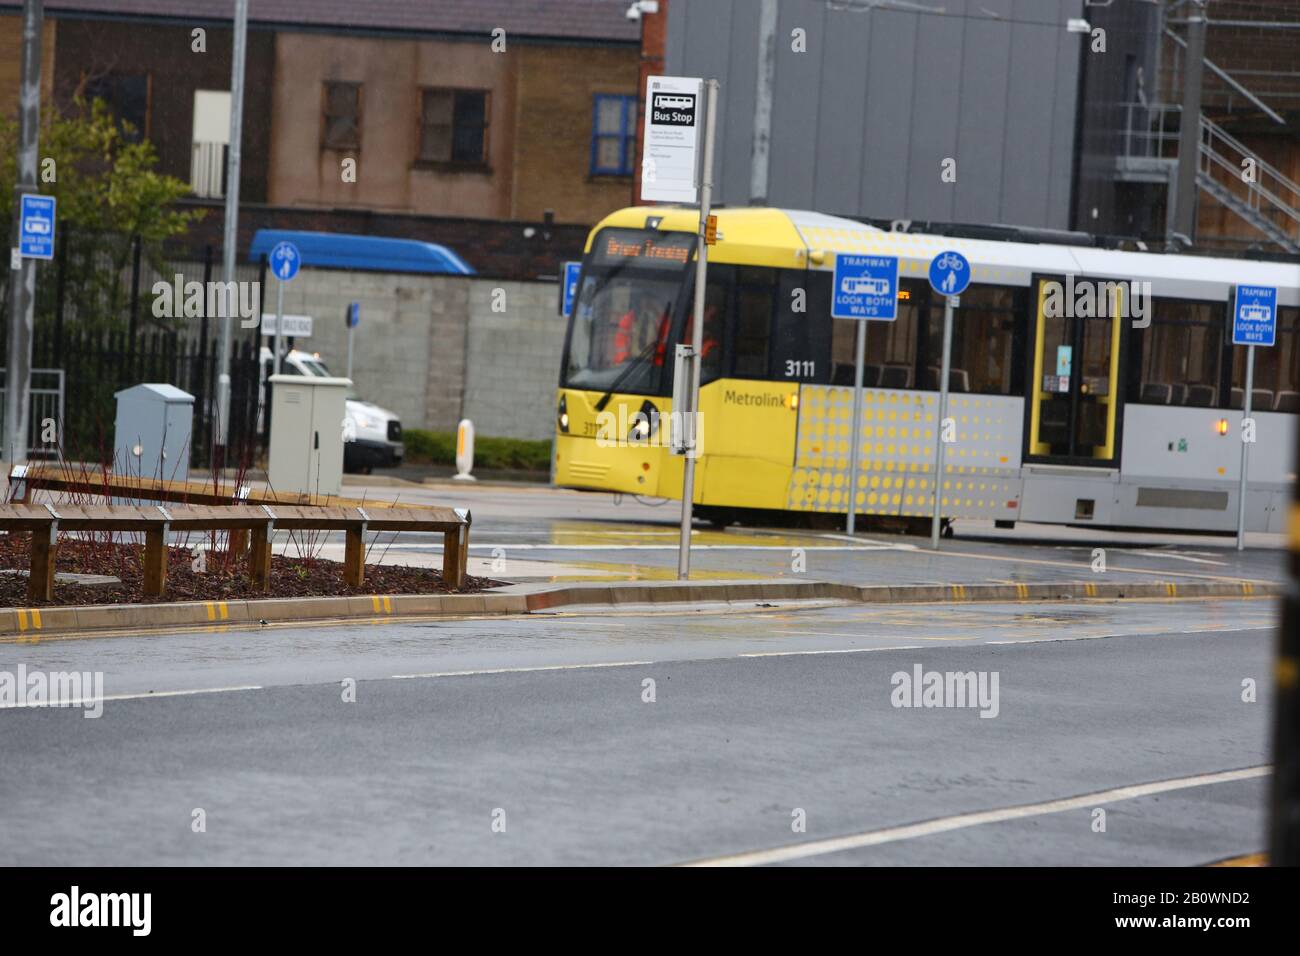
<point>44,522</point>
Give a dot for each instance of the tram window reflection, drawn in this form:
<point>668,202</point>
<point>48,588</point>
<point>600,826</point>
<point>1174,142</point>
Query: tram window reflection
<point>891,346</point>
<point>985,356</point>
<point>1179,356</point>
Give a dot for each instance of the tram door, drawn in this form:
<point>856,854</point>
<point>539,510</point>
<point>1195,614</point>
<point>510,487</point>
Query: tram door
<point>1074,391</point>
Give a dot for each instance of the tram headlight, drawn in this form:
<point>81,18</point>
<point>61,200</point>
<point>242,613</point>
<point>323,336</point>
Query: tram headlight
<point>562,416</point>
<point>644,423</point>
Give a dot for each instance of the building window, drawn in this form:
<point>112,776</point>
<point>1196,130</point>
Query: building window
<point>342,127</point>
<point>127,97</point>
<point>454,127</point>
<point>613,135</point>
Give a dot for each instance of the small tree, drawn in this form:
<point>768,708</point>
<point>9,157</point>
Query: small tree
<point>108,191</point>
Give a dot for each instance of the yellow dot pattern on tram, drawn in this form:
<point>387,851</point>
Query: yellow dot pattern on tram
<point>896,453</point>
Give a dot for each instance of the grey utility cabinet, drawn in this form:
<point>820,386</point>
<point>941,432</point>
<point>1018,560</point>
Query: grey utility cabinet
<point>307,422</point>
<point>151,439</point>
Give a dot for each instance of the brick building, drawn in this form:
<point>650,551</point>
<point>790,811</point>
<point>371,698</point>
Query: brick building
<point>521,112</point>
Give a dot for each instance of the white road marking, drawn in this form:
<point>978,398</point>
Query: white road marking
<point>846,650</point>
<point>83,701</point>
<point>521,670</point>
<point>801,851</point>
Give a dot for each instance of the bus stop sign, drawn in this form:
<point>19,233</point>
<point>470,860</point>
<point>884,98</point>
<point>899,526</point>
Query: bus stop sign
<point>1254,316</point>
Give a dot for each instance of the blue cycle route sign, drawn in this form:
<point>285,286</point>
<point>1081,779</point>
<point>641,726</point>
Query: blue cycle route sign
<point>949,273</point>
<point>36,227</point>
<point>866,287</point>
<point>1254,316</point>
<point>285,261</point>
<point>571,270</point>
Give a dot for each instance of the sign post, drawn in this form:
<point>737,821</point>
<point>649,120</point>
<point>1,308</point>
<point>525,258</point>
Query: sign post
<point>353,320</point>
<point>670,172</point>
<point>865,289</point>
<point>285,261</point>
<point>569,290</point>
<point>949,277</point>
<point>1254,322</point>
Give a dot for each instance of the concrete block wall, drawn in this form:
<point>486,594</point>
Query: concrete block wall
<point>432,349</point>
<point>513,358</point>
<point>390,363</point>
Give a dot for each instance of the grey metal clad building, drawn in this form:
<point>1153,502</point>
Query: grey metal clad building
<point>885,92</point>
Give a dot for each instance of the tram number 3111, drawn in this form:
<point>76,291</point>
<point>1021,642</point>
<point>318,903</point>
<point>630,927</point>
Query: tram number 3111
<point>795,368</point>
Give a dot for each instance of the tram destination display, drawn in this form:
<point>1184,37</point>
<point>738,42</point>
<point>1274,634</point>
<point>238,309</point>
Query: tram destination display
<point>650,250</point>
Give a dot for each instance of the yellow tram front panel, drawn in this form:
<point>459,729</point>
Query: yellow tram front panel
<point>583,461</point>
<point>748,445</point>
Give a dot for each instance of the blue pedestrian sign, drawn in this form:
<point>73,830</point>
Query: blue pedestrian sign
<point>949,273</point>
<point>1254,316</point>
<point>285,261</point>
<point>36,229</point>
<point>354,315</point>
<point>866,287</point>
<point>571,270</point>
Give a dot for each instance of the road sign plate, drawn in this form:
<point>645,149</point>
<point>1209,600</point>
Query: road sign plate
<point>36,229</point>
<point>950,273</point>
<point>285,261</point>
<point>570,291</point>
<point>866,287</point>
<point>1254,316</point>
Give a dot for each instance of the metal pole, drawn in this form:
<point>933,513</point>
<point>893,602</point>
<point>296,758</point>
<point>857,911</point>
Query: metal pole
<point>22,275</point>
<point>231,230</point>
<point>1245,449</point>
<point>950,302</point>
<point>1189,133</point>
<point>350,331</point>
<point>855,442</point>
<point>279,326</point>
<point>760,157</point>
<point>697,330</point>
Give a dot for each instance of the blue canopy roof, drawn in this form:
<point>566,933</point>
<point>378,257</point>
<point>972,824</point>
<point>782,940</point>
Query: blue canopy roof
<point>332,250</point>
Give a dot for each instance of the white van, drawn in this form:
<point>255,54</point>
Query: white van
<point>374,439</point>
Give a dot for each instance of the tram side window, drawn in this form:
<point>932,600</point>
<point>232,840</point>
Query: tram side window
<point>891,346</point>
<point>717,303</point>
<point>801,334</point>
<point>1179,355</point>
<point>755,291</point>
<point>986,352</point>
<point>1276,386</point>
